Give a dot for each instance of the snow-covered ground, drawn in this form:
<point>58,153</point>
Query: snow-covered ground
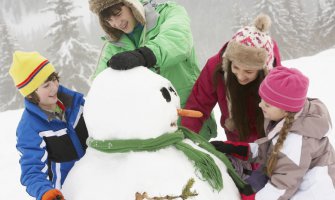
<point>318,68</point>
<point>9,167</point>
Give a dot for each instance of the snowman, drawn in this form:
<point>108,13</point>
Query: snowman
<point>137,151</point>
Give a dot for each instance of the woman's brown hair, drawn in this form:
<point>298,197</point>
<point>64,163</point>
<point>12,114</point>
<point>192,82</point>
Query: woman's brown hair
<point>272,162</point>
<point>111,11</point>
<point>240,97</point>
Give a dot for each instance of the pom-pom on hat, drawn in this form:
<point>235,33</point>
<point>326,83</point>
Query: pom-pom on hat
<point>251,46</point>
<point>285,88</point>
<point>29,70</point>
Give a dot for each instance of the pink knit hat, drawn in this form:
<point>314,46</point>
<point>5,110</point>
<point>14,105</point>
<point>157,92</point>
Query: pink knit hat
<point>284,88</point>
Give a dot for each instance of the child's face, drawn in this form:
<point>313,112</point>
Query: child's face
<point>244,76</point>
<point>124,20</point>
<point>271,112</point>
<point>47,94</point>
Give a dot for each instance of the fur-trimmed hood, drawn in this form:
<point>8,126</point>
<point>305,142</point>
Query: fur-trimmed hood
<point>97,6</point>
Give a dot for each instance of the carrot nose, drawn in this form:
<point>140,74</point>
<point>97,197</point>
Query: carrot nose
<point>189,113</point>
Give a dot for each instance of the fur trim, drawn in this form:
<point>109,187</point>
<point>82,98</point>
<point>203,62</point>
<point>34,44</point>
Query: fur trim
<point>251,47</point>
<point>245,56</point>
<point>97,6</point>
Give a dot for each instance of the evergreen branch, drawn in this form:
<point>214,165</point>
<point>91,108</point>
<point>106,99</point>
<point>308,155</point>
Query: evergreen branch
<point>186,193</point>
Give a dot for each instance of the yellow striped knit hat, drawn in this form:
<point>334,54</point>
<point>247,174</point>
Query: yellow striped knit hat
<point>29,70</point>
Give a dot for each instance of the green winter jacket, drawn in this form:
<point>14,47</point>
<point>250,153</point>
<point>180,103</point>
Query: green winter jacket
<point>168,34</point>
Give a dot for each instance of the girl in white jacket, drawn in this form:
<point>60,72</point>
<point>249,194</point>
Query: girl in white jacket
<point>296,154</point>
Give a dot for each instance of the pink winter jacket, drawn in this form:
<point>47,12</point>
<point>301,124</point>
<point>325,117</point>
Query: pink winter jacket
<point>205,95</point>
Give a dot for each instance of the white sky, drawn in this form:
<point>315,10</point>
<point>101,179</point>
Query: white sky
<point>318,68</point>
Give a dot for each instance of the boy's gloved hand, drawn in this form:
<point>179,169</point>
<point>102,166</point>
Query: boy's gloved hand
<point>142,56</point>
<point>239,150</point>
<point>53,194</point>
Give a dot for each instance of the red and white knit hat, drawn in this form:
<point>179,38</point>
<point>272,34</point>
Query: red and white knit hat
<point>285,88</point>
<point>251,46</point>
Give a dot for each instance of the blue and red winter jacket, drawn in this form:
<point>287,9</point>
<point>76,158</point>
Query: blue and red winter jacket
<point>49,147</point>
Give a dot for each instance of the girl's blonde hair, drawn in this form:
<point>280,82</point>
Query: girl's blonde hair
<point>272,161</point>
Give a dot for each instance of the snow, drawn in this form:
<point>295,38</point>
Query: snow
<point>10,168</point>
<point>320,71</point>
<point>137,104</point>
<point>318,68</point>
<point>124,101</point>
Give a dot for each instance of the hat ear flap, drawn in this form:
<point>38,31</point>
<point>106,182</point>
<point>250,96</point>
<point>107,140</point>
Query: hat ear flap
<point>229,124</point>
<point>266,71</point>
<point>225,63</point>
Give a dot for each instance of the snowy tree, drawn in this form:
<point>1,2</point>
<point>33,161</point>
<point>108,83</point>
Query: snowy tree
<point>282,29</point>
<point>10,98</point>
<point>299,38</point>
<point>72,57</point>
<point>20,8</point>
<point>315,29</point>
<point>240,17</point>
<point>326,24</point>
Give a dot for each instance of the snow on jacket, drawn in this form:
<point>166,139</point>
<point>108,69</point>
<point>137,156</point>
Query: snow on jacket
<point>167,33</point>
<point>306,163</point>
<point>205,95</point>
<point>50,147</point>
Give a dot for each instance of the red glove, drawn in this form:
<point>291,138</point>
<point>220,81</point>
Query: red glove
<point>248,197</point>
<point>239,150</point>
<point>53,194</point>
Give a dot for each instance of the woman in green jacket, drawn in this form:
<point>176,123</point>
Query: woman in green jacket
<point>157,36</point>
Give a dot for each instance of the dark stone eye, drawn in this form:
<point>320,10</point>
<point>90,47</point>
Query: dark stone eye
<point>172,90</point>
<point>166,94</point>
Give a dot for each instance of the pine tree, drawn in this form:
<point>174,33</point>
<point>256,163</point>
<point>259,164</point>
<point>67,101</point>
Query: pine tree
<point>299,39</point>
<point>326,24</point>
<point>314,29</point>
<point>282,30</point>
<point>241,18</point>
<point>20,8</point>
<point>72,58</point>
<point>10,98</point>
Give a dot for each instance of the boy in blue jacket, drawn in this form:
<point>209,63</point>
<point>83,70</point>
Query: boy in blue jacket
<point>51,135</point>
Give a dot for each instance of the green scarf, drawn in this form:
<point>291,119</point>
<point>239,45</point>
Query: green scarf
<point>202,161</point>
<point>203,143</point>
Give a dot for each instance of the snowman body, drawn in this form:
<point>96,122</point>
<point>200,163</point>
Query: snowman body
<point>137,104</point>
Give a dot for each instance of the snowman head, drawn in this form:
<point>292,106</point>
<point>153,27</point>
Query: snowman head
<point>131,104</point>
